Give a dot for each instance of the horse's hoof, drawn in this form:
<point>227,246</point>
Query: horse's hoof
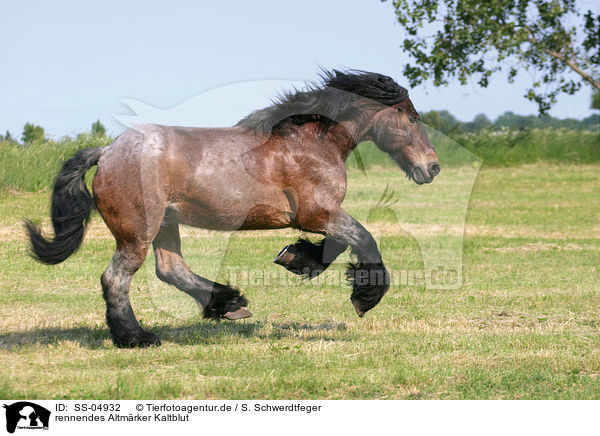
<point>357,308</point>
<point>369,283</point>
<point>241,313</point>
<point>285,256</point>
<point>146,339</point>
<point>149,340</point>
<point>299,262</point>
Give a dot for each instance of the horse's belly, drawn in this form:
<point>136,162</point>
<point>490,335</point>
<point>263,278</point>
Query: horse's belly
<point>264,216</point>
<point>233,212</point>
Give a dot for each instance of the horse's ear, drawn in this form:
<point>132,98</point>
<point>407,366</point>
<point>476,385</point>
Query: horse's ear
<point>5,406</point>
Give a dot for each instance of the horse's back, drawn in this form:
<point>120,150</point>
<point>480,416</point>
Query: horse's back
<point>221,178</point>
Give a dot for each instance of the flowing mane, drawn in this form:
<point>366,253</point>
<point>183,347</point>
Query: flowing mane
<point>332,100</point>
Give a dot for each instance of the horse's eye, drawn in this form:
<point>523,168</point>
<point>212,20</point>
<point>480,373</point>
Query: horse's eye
<point>400,110</point>
<point>412,120</point>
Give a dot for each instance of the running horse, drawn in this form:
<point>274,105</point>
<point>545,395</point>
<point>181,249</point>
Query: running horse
<point>282,166</point>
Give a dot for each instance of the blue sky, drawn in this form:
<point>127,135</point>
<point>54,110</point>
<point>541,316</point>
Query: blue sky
<point>65,64</point>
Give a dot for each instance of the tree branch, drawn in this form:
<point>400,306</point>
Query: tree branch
<point>573,65</point>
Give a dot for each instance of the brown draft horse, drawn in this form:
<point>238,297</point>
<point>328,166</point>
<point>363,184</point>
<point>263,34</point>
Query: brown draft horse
<point>282,166</point>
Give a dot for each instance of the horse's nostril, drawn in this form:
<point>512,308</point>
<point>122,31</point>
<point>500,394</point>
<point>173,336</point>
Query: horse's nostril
<point>434,169</point>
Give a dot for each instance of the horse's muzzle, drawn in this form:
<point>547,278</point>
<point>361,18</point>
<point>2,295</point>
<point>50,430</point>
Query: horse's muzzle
<point>421,174</point>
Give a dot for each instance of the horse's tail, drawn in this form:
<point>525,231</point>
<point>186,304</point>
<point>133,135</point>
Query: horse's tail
<point>71,207</point>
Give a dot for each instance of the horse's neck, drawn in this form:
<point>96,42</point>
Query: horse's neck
<point>342,139</point>
<point>348,134</point>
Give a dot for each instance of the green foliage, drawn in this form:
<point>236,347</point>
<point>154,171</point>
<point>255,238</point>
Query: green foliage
<point>32,134</point>
<point>510,120</point>
<point>446,123</point>
<point>98,129</point>
<point>592,122</point>
<point>592,37</point>
<point>595,101</point>
<point>481,121</point>
<point>442,121</point>
<point>477,39</point>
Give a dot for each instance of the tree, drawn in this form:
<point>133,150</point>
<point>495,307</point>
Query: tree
<point>481,121</point>
<point>32,134</point>
<point>98,129</point>
<point>595,100</point>
<point>512,121</point>
<point>8,136</point>
<point>442,121</point>
<point>592,122</point>
<point>477,39</point>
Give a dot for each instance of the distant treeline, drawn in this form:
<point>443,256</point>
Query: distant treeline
<point>443,121</point>
<point>34,134</point>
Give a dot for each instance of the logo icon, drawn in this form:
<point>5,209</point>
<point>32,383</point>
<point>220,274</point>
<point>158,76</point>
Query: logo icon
<point>26,415</point>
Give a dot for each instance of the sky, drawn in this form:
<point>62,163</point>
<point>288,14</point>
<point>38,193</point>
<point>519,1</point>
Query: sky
<point>66,64</point>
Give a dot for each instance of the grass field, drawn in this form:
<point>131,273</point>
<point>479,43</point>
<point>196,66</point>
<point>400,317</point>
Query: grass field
<point>524,324</point>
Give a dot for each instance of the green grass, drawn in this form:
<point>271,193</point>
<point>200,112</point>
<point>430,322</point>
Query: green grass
<point>524,324</point>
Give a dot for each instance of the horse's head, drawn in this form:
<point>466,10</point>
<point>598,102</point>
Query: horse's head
<point>398,131</point>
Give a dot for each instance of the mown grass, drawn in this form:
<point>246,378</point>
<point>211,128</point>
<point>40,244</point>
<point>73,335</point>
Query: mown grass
<point>524,324</point>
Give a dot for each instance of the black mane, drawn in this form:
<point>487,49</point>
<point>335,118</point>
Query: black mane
<point>332,100</point>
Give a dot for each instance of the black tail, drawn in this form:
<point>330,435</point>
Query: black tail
<point>71,207</point>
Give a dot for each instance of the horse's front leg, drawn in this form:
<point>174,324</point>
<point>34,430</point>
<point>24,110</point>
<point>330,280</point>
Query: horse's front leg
<point>369,278</point>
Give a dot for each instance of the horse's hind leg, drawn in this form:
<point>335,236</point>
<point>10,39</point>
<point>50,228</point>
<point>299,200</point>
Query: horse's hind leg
<point>124,327</point>
<point>309,260</point>
<point>217,300</point>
